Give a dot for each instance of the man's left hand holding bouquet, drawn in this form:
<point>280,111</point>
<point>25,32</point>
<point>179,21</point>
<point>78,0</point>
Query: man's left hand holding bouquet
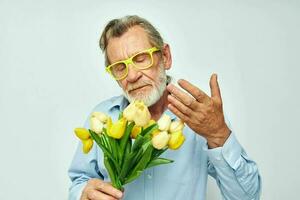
<point>130,145</point>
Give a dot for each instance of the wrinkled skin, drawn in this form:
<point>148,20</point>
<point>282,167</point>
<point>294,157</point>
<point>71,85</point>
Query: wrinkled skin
<point>97,189</point>
<point>202,113</point>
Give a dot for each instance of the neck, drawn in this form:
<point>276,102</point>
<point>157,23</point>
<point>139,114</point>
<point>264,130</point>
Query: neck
<point>159,107</point>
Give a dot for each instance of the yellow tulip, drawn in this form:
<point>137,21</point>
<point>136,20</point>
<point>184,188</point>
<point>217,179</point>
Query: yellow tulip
<point>102,117</point>
<point>176,140</point>
<point>160,140</point>
<point>135,131</point>
<point>138,112</point>
<point>82,133</point>
<point>117,129</point>
<point>87,145</point>
<point>176,126</point>
<point>108,123</point>
<point>164,122</point>
<point>96,125</point>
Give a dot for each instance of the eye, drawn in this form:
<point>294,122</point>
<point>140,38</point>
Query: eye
<point>140,57</point>
<point>119,67</point>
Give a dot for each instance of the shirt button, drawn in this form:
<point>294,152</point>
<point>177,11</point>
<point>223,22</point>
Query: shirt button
<point>149,176</point>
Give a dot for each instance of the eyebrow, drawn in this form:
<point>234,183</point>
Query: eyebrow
<point>139,51</point>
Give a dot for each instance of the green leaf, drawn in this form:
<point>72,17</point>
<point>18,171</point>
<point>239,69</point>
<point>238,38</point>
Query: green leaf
<point>96,137</point>
<point>149,129</point>
<point>126,151</point>
<point>113,177</point>
<point>106,140</point>
<point>109,169</point>
<point>106,152</point>
<point>130,161</point>
<point>139,141</point>
<point>159,161</point>
<point>114,146</point>
<point>141,165</point>
<point>128,147</point>
<point>157,152</point>
<point>132,178</point>
<point>126,137</point>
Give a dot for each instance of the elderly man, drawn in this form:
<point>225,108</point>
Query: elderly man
<point>137,59</point>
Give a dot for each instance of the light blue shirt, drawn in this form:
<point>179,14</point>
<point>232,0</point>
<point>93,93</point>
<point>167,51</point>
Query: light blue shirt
<point>185,179</point>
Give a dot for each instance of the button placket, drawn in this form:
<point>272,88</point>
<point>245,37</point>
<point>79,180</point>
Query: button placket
<point>149,183</point>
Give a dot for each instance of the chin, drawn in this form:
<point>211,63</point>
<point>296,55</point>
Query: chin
<point>149,98</point>
<point>152,95</point>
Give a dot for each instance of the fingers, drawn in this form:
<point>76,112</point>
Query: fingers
<point>97,189</point>
<point>181,96</point>
<point>179,105</point>
<point>214,87</point>
<point>108,189</point>
<point>179,114</point>
<point>97,195</point>
<point>198,94</point>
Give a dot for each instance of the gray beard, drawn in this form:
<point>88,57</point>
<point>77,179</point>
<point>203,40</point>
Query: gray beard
<point>156,92</point>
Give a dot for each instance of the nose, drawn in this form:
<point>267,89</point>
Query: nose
<point>133,74</point>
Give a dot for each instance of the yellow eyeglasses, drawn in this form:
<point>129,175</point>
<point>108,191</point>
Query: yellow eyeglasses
<point>141,60</point>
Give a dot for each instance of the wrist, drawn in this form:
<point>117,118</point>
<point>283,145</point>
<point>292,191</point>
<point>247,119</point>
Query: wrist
<point>219,138</point>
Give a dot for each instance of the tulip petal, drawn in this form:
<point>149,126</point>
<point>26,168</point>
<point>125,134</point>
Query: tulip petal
<point>87,145</point>
<point>82,133</point>
<point>176,126</point>
<point>160,140</point>
<point>135,131</point>
<point>164,122</point>
<point>176,140</point>
<point>102,117</point>
<point>117,129</point>
<point>96,125</point>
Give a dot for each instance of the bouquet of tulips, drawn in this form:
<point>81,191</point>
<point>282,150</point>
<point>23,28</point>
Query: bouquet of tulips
<point>133,143</point>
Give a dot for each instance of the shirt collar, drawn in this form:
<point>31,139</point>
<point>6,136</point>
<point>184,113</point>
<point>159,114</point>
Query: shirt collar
<point>120,102</point>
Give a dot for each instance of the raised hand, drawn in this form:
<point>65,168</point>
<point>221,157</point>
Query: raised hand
<point>202,113</point>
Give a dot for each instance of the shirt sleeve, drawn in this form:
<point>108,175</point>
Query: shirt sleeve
<point>235,173</point>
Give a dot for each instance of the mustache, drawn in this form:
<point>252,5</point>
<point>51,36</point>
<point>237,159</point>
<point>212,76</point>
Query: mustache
<point>137,85</point>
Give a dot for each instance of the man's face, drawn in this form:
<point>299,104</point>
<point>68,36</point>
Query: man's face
<point>147,85</point>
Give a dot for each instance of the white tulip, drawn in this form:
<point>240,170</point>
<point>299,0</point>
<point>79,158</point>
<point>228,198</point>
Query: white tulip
<point>142,116</point>
<point>100,116</point>
<point>96,125</point>
<point>164,123</point>
<point>176,126</point>
<point>160,140</point>
<point>129,112</point>
<point>138,112</point>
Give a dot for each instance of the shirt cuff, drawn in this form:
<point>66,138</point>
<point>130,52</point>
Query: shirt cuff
<point>76,191</point>
<point>80,192</point>
<point>228,154</point>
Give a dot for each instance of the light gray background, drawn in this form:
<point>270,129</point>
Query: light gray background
<point>52,75</point>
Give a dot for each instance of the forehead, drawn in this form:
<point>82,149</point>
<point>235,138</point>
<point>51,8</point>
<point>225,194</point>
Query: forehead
<point>131,42</point>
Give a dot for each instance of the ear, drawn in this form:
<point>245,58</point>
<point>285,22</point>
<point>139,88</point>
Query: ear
<point>167,57</point>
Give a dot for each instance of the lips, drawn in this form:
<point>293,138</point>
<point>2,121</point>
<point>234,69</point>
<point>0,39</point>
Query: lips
<point>138,88</point>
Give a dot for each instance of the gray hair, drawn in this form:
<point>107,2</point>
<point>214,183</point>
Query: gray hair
<point>117,27</point>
